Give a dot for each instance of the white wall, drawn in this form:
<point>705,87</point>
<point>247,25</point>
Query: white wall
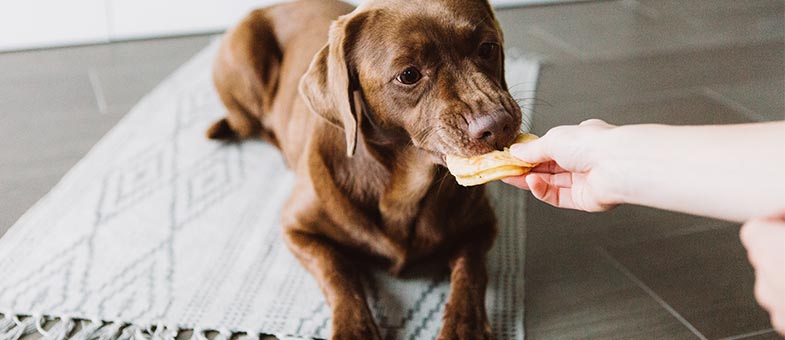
<point>32,23</point>
<point>44,23</point>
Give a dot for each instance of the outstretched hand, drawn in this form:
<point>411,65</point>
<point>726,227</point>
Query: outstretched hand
<point>571,173</point>
<point>764,239</point>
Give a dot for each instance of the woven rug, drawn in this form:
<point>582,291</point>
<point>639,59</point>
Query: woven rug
<point>158,230</point>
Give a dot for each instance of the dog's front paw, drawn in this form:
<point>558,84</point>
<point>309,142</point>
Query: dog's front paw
<point>354,324</point>
<point>356,332</point>
<point>471,324</point>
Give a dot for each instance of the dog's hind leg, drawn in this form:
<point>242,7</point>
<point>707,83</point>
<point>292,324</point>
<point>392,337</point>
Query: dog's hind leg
<point>245,74</point>
<point>238,124</point>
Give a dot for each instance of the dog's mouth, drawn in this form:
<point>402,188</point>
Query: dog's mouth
<point>438,157</point>
<point>440,147</point>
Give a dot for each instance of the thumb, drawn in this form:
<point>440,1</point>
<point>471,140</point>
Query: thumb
<point>532,152</point>
<point>760,230</point>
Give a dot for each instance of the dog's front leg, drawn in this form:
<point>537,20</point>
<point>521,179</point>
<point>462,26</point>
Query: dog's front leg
<point>340,282</point>
<point>464,316</point>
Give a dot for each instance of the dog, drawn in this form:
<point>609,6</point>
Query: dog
<point>364,104</point>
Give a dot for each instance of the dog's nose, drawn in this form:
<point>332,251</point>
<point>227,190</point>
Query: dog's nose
<point>491,128</point>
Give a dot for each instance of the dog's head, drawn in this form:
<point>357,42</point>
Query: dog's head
<point>429,73</point>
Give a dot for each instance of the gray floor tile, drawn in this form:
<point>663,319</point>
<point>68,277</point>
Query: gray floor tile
<point>53,93</point>
<point>23,193</point>
<point>686,110</point>
<point>76,60</point>
<point>762,99</point>
<point>712,8</point>
<point>589,30</point>
<point>123,87</point>
<point>603,305</point>
<point>552,231</point>
<point>32,141</point>
<point>607,31</point>
<point>137,68</point>
<point>571,289</point>
<point>641,76</point>
<point>138,53</point>
<point>704,276</point>
<point>767,335</point>
<point>725,21</point>
<point>618,29</point>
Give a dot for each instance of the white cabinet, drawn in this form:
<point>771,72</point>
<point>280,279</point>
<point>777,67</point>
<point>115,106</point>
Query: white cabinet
<point>36,23</point>
<point>43,23</point>
<point>151,18</point>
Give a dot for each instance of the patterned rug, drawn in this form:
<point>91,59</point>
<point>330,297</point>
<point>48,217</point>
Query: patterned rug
<point>158,230</point>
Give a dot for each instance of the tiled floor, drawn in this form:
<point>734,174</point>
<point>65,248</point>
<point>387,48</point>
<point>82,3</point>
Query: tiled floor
<point>637,273</point>
<point>632,273</point>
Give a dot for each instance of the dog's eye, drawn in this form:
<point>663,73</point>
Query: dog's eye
<point>409,76</point>
<point>488,50</point>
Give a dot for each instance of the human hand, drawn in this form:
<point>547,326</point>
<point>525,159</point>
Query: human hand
<point>765,242</point>
<point>571,173</point>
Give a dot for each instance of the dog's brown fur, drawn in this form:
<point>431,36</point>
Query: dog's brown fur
<point>367,150</point>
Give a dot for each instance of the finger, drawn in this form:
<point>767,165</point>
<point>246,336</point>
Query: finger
<point>518,181</point>
<point>549,167</point>
<point>565,199</point>
<point>747,233</point>
<point>762,291</point>
<point>532,152</point>
<point>561,180</point>
<point>778,321</point>
<point>551,194</point>
<point>593,121</point>
<point>763,239</point>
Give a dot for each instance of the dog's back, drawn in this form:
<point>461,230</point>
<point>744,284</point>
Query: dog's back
<point>257,80</point>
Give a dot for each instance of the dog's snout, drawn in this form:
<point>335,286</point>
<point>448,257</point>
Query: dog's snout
<point>491,128</point>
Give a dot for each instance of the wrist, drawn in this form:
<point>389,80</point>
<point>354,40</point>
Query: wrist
<point>616,158</point>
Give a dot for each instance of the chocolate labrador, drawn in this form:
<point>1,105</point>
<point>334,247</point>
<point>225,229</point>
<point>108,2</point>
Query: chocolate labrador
<point>364,104</point>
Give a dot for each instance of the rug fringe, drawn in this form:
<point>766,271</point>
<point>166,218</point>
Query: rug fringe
<point>128,333</point>
<point>14,327</point>
<point>249,336</point>
<point>110,332</point>
<point>163,332</point>
<point>5,325</point>
<point>198,334</point>
<point>60,330</point>
<point>223,334</point>
<point>89,330</point>
<point>19,328</point>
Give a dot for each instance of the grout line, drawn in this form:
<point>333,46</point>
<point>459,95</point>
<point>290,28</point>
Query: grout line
<point>620,267</point>
<point>98,90</point>
<point>733,105</point>
<point>638,8</point>
<point>553,40</point>
<point>697,228</point>
<point>750,334</point>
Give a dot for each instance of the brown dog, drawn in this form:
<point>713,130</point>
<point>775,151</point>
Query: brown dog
<point>398,85</point>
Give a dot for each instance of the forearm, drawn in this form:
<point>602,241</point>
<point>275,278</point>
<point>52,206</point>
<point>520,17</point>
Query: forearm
<point>731,172</point>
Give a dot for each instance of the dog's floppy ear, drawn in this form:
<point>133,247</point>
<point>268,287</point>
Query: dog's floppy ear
<point>498,29</point>
<point>503,62</point>
<point>329,85</point>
